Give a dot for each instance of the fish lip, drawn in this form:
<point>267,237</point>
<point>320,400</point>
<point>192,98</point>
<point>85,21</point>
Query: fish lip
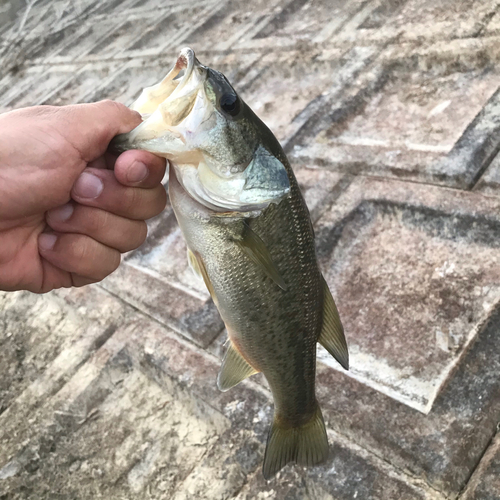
<point>186,61</point>
<point>186,58</point>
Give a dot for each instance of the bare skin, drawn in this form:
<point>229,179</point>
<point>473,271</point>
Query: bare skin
<point>65,216</point>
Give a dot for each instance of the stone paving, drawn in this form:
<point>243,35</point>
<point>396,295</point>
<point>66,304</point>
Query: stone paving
<point>389,111</point>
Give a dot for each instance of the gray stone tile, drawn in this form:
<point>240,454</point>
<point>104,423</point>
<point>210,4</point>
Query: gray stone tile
<point>405,115</point>
<point>448,19</point>
<point>451,323</point>
<point>83,86</point>
<point>319,186</point>
<point>489,183</point>
<point>286,84</point>
<point>228,23</point>
<point>235,457</point>
<point>485,483</point>
<point>126,33</point>
<point>348,474</point>
<point>301,22</point>
<point>179,21</point>
<point>13,86</point>
<point>86,38</point>
<point>115,432</point>
<point>45,340</point>
<point>193,315</point>
<point>443,447</point>
<point>126,83</point>
<point>493,26</point>
<point>41,84</point>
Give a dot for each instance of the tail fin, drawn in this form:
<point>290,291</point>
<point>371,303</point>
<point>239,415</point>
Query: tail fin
<point>304,445</point>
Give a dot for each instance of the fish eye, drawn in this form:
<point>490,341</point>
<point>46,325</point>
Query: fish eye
<point>230,104</point>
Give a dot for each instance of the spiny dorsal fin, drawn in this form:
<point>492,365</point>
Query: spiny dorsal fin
<point>332,334</point>
<point>305,445</point>
<point>256,250</point>
<point>234,369</point>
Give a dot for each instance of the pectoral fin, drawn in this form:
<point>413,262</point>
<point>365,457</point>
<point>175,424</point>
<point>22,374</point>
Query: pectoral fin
<point>198,266</point>
<point>234,369</point>
<point>332,334</point>
<point>253,246</point>
<point>193,264</point>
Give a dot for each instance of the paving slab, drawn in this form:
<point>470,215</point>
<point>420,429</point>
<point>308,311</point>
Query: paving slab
<point>429,299</point>
<point>485,483</point>
<point>490,182</point>
<point>412,115</point>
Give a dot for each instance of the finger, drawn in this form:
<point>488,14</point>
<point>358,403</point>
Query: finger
<point>100,189</point>
<point>79,254</point>
<point>97,123</point>
<point>77,280</point>
<point>106,228</point>
<point>139,169</point>
<point>54,277</point>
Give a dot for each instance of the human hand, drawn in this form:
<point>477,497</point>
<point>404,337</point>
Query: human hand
<point>64,216</point>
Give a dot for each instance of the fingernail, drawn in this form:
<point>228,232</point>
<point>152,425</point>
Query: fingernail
<point>137,172</point>
<point>88,186</point>
<point>61,214</point>
<point>47,241</point>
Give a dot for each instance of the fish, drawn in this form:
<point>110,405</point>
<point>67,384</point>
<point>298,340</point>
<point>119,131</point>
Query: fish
<point>250,238</point>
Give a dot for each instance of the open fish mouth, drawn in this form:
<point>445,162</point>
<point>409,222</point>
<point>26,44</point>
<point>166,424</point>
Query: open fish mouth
<point>196,120</point>
<point>152,97</point>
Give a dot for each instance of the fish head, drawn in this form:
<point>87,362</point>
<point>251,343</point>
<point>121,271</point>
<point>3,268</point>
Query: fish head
<point>224,156</point>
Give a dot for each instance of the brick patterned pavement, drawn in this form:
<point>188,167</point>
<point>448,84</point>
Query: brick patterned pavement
<point>390,113</point>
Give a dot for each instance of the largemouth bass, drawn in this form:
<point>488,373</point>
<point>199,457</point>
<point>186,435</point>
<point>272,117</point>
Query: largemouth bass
<point>250,238</point>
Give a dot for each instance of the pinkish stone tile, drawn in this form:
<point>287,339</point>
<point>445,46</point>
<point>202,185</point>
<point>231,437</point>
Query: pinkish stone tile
<point>415,272</point>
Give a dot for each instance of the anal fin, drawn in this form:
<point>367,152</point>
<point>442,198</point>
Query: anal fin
<point>234,369</point>
<point>332,336</point>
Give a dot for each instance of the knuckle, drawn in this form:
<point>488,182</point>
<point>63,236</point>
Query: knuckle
<point>78,247</point>
<point>113,105</point>
<point>133,202</point>
<point>101,222</point>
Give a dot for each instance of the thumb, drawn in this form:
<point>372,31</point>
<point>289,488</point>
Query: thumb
<point>90,127</point>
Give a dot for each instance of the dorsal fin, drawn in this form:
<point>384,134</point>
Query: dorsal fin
<point>234,369</point>
<point>332,334</point>
<point>253,246</point>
